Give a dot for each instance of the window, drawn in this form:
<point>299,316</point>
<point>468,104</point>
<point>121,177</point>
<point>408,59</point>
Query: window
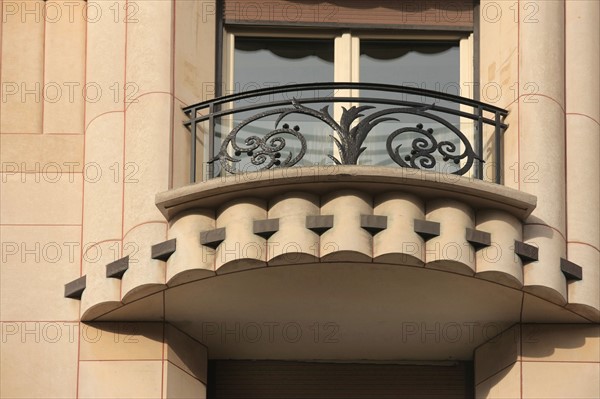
<point>260,57</point>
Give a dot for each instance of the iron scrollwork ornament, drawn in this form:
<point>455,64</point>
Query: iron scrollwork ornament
<point>266,151</point>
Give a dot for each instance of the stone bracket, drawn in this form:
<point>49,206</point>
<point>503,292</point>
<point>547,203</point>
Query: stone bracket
<point>117,268</point>
<point>319,223</point>
<point>212,238</point>
<point>75,288</point>
<point>427,229</point>
<point>479,239</point>
<point>571,270</point>
<point>373,223</point>
<point>162,251</point>
<point>527,252</point>
<point>265,228</point>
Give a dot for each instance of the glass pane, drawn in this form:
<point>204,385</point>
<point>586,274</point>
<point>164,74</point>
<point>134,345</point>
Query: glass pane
<point>427,65</point>
<point>270,62</point>
<point>418,64</point>
<point>267,62</point>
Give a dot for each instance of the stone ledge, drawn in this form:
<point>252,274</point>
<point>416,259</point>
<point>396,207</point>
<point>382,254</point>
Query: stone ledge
<point>324,179</point>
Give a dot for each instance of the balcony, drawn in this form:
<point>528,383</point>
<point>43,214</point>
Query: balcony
<point>381,194</point>
<point>346,124</point>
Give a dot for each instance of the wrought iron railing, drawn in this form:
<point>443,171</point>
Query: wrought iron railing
<point>417,128</point>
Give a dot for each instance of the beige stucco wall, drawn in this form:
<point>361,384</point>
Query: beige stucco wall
<point>87,119</point>
<point>582,33</point>
<point>90,131</point>
<point>41,197</point>
<point>540,361</point>
<point>141,360</point>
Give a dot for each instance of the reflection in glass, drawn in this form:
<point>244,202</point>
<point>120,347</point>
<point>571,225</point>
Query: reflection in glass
<point>419,64</point>
<point>270,62</point>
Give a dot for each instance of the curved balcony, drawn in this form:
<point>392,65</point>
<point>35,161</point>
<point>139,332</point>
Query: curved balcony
<point>415,237</point>
<point>345,124</point>
<point>367,250</point>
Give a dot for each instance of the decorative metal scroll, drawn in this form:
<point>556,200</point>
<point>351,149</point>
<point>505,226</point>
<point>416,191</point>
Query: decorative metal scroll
<point>353,128</point>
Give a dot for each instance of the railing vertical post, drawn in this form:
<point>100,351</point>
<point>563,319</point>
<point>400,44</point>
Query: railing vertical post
<point>211,140</point>
<point>193,146</point>
<point>498,133</point>
<point>479,142</point>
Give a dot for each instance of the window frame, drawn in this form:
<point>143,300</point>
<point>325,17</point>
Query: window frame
<point>350,37</point>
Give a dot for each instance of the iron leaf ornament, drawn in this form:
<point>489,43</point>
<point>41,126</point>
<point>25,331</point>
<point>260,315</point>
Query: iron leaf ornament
<point>353,128</point>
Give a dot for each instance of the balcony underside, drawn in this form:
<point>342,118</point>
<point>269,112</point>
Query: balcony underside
<point>343,311</point>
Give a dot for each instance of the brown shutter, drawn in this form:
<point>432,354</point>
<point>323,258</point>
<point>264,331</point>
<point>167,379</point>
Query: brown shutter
<point>456,14</point>
<point>241,379</point>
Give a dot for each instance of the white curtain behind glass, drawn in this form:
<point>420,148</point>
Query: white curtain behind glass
<point>270,62</point>
<point>425,65</point>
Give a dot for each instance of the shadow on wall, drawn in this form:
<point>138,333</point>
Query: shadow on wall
<point>542,341</point>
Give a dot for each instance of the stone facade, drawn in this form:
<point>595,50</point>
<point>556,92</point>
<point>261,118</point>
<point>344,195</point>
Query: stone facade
<point>95,158</point>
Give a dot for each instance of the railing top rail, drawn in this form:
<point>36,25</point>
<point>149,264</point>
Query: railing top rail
<point>366,100</point>
<point>342,86</point>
